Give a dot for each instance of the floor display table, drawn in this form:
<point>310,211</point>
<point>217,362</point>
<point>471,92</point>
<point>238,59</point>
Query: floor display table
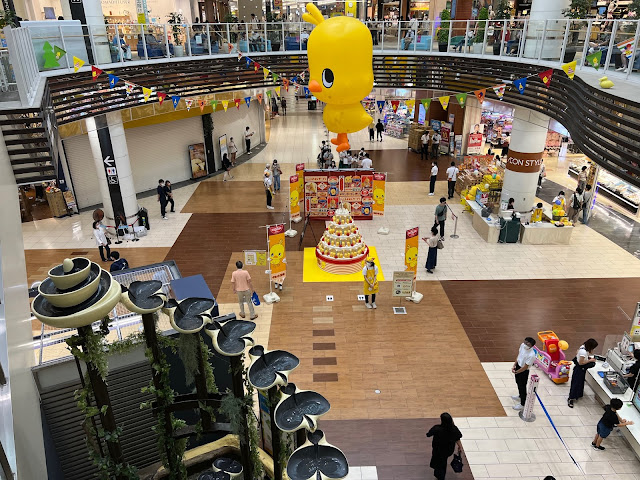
<point>545,234</point>
<point>628,411</point>
<point>487,228</point>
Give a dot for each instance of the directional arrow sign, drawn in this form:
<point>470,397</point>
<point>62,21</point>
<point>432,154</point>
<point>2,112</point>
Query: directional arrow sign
<point>109,161</point>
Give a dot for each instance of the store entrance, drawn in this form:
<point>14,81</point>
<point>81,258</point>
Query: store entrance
<point>40,201</point>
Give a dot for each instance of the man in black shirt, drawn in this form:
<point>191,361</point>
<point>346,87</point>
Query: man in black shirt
<point>162,198</point>
<point>169,195</point>
<point>379,129</point>
<point>632,376</point>
<point>119,263</point>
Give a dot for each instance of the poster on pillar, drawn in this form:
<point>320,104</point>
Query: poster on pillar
<point>445,132</point>
<point>524,162</point>
<point>197,160</point>
<point>476,139</point>
<point>277,254</point>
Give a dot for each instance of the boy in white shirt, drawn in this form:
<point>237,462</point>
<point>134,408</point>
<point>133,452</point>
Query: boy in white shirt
<point>366,161</point>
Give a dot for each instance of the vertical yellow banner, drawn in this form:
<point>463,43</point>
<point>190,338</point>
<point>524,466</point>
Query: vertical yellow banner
<point>277,255</point>
<point>378,194</point>
<point>300,173</point>
<point>294,197</point>
<point>411,251</point>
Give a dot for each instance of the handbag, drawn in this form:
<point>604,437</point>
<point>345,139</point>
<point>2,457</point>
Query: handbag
<point>440,244</point>
<point>255,299</point>
<point>456,463</point>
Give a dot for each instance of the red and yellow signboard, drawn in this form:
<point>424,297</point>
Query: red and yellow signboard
<point>379,183</point>
<point>411,251</point>
<point>277,254</point>
<point>294,196</point>
<point>325,191</point>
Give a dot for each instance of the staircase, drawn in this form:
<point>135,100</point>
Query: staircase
<point>28,144</point>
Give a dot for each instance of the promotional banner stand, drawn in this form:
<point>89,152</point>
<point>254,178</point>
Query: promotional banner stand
<point>416,297</point>
<point>271,297</point>
<point>291,232</point>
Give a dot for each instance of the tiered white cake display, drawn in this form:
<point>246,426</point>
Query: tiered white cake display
<point>341,249</point>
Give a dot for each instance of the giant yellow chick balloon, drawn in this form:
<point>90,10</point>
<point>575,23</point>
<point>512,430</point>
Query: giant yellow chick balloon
<point>340,54</point>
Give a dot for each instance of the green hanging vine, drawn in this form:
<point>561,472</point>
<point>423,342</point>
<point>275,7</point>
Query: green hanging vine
<point>188,356</point>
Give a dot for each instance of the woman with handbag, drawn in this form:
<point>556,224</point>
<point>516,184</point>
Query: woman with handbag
<point>445,438</point>
<point>434,243</point>
<point>583,360</point>
<point>102,242</point>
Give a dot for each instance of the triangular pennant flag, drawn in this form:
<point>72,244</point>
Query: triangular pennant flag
<point>237,101</point>
<point>188,102</point>
<point>306,92</point>
<point>546,76</point>
<point>265,72</point>
<point>480,94</point>
<point>520,84</point>
<point>285,82</point>
<point>239,56</point>
<point>230,46</point>
<point>95,72</point>
<point>77,63</point>
<point>146,93</point>
<point>394,105</point>
<point>248,62</point>
<point>202,103</point>
<point>278,90</point>
<point>499,89</point>
<point>161,97</point>
<point>269,93</point>
<point>274,77</point>
<point>594,59</point>
<point>256,66</point>
<point>59,53</point>
<point>380,104</point>
<point>259,97</point>
<point>225,104</point>
<point>129,87</point>
<point>426,102</point>
<point>247,101</point>
<point>175,99</point>
<point>214,104</point>
<point>462,99</point>
<point>410,104</point>
<point>570,69</point>
<point>113,80</point>
<point>444,101</point>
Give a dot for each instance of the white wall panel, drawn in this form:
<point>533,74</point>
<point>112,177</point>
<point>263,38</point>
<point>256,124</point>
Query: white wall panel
<point>83,171</point>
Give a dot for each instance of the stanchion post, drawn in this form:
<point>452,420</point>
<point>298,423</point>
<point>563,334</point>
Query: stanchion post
<point>526,413</point>
<point>455,225</point>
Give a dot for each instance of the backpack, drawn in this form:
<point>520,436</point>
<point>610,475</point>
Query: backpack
<point>576,202</point>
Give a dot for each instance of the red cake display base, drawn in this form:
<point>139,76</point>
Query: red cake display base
<point>341,266</point>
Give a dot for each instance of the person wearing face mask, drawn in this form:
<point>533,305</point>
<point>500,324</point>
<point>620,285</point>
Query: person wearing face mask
<point>520,369</point>
<point>370,274</point>
<point>583,360</point>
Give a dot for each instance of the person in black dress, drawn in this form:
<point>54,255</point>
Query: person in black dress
<point>169,195</point>
<point>583,360</point>
<point>445,438</point>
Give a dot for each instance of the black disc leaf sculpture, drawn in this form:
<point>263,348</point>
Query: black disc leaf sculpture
<point>317,458</point>
<point>143,297</point>
<point>231,467</point>
<point>299,409</point>
<point>189,315</point>
<point>230,336</point>
<point>270,368</point>
<point>210,475</point>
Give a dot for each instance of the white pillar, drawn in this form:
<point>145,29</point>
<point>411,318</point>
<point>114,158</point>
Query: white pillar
<point>96,25</point>
<point>20,420</point>
<point>549,10</point>
<point>107,141</point>
<point>526,149</point>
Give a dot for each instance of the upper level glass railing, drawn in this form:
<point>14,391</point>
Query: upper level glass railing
<point>613,45</point>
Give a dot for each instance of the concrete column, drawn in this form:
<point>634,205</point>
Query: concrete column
<point>20,420</point>
<point>111,156</point>
<point>524,160</point>
<point>549,10</point>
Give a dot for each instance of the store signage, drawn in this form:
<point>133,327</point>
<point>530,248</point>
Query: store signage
<point>109,163</point>
<point>635,326</point>
<point>524,162</point>
<point>402,284</point>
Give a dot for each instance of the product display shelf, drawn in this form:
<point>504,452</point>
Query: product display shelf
<point>618,191</point>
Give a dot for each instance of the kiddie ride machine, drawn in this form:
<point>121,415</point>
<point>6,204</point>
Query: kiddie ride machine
<point>551,359</point>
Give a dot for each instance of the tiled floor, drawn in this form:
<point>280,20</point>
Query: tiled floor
<point>423,363</point>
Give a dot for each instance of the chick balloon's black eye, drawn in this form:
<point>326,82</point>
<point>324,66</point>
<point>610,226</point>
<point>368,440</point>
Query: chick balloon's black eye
<point>327,78</point>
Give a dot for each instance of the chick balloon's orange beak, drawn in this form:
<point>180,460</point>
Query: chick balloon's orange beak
<point>314,86</point>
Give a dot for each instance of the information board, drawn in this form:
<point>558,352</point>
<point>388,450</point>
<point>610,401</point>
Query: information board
<point>402,284</point>
<point>327,190</point>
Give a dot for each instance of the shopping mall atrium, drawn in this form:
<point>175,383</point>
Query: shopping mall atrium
<point>368,240</point>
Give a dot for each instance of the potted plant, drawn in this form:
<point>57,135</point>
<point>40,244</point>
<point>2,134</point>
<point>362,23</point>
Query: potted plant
<point>443,31</point>
<point>577,9</point>
<point>502,12</point>
<point>478,41</point>
<point>176,20</point>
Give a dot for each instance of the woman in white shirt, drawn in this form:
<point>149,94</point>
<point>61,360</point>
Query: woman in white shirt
<point>232,151</point>
<point>101,241</point>
<point>583,361</point>
<point>432,256</point>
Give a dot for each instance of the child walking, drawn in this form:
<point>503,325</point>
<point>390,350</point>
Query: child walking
<point>608,422</point>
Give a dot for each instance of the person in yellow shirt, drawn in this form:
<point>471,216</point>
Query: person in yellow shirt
<point>536,215</point>
<point>372,127</point>
<point>370,285</point>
